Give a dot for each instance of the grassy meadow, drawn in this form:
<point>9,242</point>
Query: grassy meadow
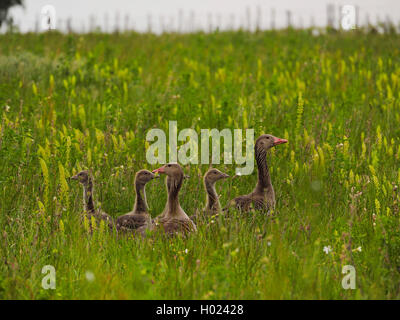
<point>72,102</point>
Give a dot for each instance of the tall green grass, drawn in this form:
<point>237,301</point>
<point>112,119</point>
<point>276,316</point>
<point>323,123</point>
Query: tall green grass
<point>86,101</point>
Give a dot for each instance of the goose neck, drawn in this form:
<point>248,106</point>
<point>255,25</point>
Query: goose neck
<point>141,201</point>
<point>174,185</point>
<point>212,196</point>
<point>88,196</point>
<point>264,178</point>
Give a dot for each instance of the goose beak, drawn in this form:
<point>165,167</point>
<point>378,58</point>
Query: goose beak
<point>186,176</point>
<point>74,177</point>
<point>224,176</point>
<point>159,170</point>
<point>279,141</point>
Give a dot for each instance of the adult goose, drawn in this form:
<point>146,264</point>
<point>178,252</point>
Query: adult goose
<point>213,206</point>
<point>174,219</point>
<point>139,218</point>
<point>88,205</point>
<point>262,198</point>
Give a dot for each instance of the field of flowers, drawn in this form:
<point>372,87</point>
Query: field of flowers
<point>70,102</point>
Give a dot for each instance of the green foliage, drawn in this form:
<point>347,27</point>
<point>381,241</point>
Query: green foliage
<point>70,102</point>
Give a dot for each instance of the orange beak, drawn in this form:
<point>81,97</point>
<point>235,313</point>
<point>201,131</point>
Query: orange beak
<point>159,170</point>
<point>279,141</point>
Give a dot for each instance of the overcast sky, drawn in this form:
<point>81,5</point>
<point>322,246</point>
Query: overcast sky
<point>195,14</point>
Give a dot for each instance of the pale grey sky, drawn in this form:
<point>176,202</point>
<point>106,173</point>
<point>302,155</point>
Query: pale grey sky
<point>195,14</point>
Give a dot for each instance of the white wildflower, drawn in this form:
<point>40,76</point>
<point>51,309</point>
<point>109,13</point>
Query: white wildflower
<point>327,249</point>
<point>89,276</point>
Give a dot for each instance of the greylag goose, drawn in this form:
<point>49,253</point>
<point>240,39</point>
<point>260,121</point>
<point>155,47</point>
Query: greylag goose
<point>85,179</point>
<point>139,218</point>
<point>174,219</point>
<point>212,202</point>
<point>263,196</point>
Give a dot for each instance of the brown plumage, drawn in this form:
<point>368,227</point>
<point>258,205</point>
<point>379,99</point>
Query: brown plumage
<point>161,216</point>
<point>88,205</point>
<point>139,218</point>
<point>174,220</point>
<point>262,198</point>
<point>213,206</point>
<point>168,185</point>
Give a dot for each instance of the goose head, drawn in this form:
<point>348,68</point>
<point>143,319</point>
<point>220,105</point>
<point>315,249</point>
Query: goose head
<point>83,177</point>
<point>172,170</point>
<point>144,176</point>
<point>213,175</point>
<point>267,141</point>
